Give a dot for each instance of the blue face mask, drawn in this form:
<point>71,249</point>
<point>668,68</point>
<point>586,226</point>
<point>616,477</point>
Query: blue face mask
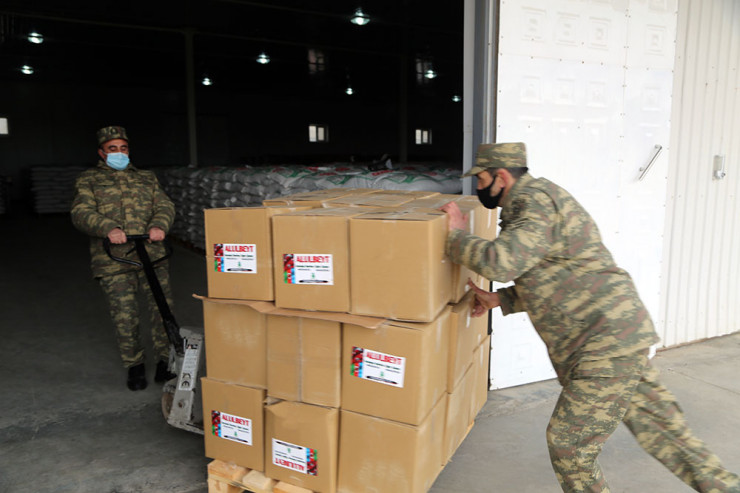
<point>117,160</point>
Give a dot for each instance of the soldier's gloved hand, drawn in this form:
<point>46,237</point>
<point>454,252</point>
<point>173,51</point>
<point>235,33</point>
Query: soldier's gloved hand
<point>456,219</point>
<point>117,236</point>
<point>156,234</point>
<point>484,300</point>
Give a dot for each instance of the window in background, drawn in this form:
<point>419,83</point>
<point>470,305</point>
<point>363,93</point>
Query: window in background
<point>316,61</point>
<point>423,136</point>
<point>318,133</point>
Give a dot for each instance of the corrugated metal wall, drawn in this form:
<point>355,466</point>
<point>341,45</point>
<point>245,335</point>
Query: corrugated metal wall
<point>700,295</point>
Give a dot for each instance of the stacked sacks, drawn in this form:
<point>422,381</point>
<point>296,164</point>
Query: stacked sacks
<point>375,391</point>
<point>195,189</point>
<point>53,188</point>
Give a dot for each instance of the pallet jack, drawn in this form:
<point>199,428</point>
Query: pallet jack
<point>182,407</point>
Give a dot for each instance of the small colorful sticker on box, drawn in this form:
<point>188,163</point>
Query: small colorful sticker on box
<point>378,367</point>
<point>235,258</point>
<point>295,457</point>
<point>231,427</point>
<point>308,269</point>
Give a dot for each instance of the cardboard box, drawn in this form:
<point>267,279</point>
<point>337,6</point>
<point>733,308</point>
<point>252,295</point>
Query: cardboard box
<point>466,334</point>
<point>397,371</point>
<point>458,418</point>
<point>481,359</point>
<point>239,252</point>
<point>304,360</point>
<point>482,222</point>
<point>374,200</point>
<point>379,455</point>
<point>236,342</point>
<point>315,198</point>
<point>301,442</point>
<point>398,265</point>
<point>311,257</point>
<point>414,194</point>
<point>236,430</point>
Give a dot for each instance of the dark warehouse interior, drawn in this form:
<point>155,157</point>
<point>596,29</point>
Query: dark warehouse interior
<point>142,65</point>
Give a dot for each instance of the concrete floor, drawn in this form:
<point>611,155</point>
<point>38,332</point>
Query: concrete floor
<point>69,424</point>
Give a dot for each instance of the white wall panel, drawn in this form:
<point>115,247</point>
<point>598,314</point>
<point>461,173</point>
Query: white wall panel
<point>584,30</point>
<point>700,289</point>
<point>587,85</point>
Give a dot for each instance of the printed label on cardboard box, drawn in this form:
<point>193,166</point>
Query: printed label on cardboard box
<point>231,427</point>
<point>236,258</point>
<point>295,457</point>
<point>378,367</point>
<point>308,268</point>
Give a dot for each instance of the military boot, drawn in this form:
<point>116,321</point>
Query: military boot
<point>163,374</point>
<point>136,377</point>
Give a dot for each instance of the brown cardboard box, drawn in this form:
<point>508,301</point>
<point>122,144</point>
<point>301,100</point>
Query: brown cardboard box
<point>398,265</point>
<point>234,423</point>
<point>481,358</point>
<point>304,360</point>
<point>458,419</point>
<point>311,257</point>
<point>397,371</point>
<point>466,334</point>
<point>482,222</point>
<point>414,194</point>
<point>315,198</point>
<point>301,442</point>
<point>236,342</point>
<point>375,200</point>
<point>379,455</point>
<point>239,252</point>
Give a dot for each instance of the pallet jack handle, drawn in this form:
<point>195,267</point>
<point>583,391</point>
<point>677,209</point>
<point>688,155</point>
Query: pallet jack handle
<point>168,319</point>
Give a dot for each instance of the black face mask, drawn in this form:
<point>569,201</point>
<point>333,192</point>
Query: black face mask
<point>488,201</point>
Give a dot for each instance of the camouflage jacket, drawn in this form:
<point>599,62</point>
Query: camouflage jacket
<point>582,305</point>
<point>131,200</point>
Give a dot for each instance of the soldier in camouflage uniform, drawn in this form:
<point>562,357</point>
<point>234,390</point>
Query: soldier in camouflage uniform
<point>588,313</point>
<point>111,200</point>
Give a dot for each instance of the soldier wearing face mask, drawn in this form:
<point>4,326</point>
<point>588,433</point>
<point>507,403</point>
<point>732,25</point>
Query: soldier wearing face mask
<point>114,199</point>
<point>587,311</point>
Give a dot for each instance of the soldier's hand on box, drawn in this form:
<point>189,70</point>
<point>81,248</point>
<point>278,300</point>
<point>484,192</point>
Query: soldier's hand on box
<point>117,236</point>
<point>457,220</point>
<point>156,234</point>
<point>484,300</point>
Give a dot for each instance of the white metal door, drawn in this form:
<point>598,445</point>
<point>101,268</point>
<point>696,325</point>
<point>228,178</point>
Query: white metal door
<point>586,84</point>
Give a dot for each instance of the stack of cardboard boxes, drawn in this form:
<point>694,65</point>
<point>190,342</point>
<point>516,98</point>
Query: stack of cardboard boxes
<point>339,348</point>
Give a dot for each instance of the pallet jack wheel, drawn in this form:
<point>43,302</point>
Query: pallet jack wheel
<point>167,400</point>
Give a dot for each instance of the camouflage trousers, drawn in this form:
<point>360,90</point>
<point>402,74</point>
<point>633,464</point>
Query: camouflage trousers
<point>596,397</point>
<point>121,293</point>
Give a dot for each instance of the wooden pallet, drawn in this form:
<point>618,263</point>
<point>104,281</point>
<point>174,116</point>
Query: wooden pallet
<point>225,477</point>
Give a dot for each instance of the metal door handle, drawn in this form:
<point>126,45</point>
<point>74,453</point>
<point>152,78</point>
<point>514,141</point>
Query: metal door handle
<point>646,168</point>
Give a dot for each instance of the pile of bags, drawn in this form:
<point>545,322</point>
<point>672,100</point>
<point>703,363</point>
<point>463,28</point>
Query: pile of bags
<point>195,189</point>
<point>53,188</point>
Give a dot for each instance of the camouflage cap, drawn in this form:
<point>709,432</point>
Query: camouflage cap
<point>503,155</point>
<point>109,133</point>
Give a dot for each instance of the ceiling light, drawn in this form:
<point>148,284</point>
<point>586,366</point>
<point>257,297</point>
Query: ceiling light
<point>430,74</point>
<point>456,98</point>
<point>360,18</point>
<point>27,69</point>
<point>35,38</point>
<point>206,81</point>
<point>349,91</point>
<point>263,58</point>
